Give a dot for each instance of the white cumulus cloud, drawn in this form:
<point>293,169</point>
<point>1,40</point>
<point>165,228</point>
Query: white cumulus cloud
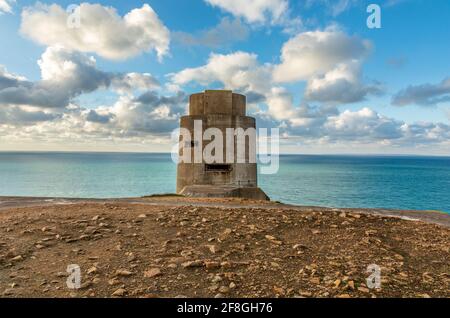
<point>254,11</point>
<point>101,31</point>
<point>237,71</point>
<point>342,84</point>
<point>5,6</point>
<point>424,95</point>
<point>65,75</point>
<point>315,53</point>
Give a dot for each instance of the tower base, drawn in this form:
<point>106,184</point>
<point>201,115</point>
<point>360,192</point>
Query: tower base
<point>214,191</point>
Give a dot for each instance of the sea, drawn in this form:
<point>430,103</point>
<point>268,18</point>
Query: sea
<point>395,182</point>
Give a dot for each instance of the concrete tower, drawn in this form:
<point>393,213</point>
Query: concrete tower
<point>219,109</point>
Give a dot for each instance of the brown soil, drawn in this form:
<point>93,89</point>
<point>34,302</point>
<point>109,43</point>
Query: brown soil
<point>145,249</point>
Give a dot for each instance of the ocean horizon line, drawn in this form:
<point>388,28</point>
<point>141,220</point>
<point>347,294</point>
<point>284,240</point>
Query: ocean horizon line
<point>281,154</point>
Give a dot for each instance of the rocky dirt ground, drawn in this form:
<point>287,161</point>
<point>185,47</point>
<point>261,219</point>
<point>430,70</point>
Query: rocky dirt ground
<point>127,249</point>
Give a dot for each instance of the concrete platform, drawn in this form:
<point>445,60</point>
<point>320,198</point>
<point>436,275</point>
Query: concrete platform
<point>207,191</point>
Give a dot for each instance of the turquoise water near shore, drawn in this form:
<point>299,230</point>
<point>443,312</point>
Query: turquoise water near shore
<point>399,182</point>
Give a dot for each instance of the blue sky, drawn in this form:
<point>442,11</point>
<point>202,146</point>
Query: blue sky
<point>340,87</point>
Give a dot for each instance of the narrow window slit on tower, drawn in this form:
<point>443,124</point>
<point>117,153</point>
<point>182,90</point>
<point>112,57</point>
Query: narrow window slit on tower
<point>218,167</point>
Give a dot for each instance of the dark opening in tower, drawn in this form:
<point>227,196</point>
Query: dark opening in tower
<point>218,168</point>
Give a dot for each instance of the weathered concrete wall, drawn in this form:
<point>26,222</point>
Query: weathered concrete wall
<point>217,102</point>
<point>217,109</point>
<point>239,104</point>
<point>240,175</point>
<point>202,191</point>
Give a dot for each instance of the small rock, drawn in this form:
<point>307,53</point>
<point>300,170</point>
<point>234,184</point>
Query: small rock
<point>278,290</point>
<point>192,264</point>
<point>213,288</point>
<point>273,239</point>
<point>114,281</point>
<point>274,265</point>
<point>123,272</point>
<point>213,248</point>
<point>152,272</point>
<point>17,258</point>
<point>216,279</point>
<point>226,264</point>
<point>212,264</point>
<point>119,292</point>
<point>224,289</point>
<point>305,294</point>
<point>225,234</point>
<point>351,284</point>
<point>363,289</point>
<point>337,282</point>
